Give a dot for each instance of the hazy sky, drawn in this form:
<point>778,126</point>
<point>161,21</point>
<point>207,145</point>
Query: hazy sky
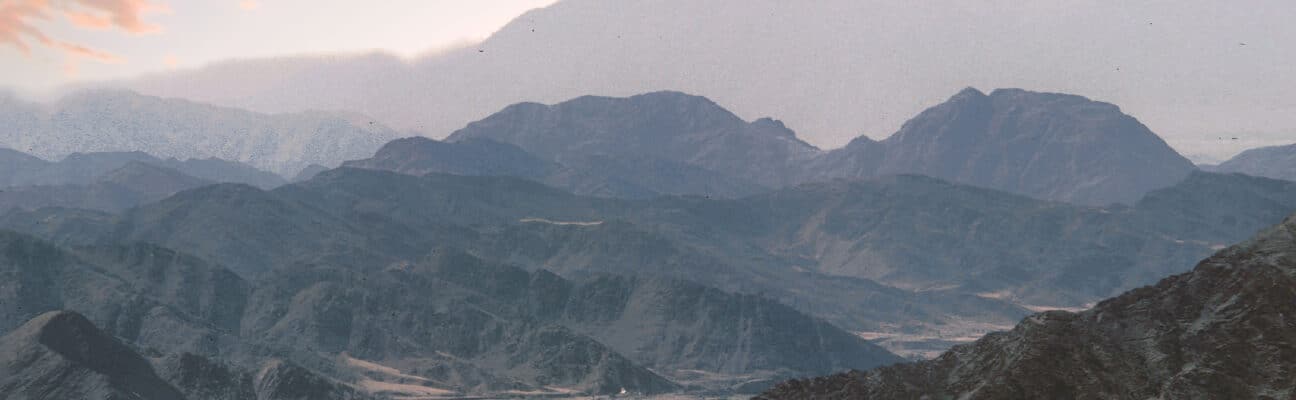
<point>1200,73</point>
<point>44,43</point>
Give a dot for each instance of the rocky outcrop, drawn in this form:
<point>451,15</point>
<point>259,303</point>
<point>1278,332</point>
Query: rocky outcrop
<point>62,355</point>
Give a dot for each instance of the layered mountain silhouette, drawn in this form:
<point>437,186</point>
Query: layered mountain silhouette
<point>1044,145</point>
<point>1049,146</point>
<point>84,168</point>
<point>113,181</point>
<point>1277,162</point>
<point>131,185</point>
<point>447,323</point>
<point>123,121</point>
<point>669,126</point>
<point>905,257</point>
<point>622,176</point>
<point>815,65</point>
<point>1219,331</point>
<point>642,245</point>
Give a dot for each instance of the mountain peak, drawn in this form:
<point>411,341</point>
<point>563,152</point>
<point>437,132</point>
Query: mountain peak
<point>681,129</point>
<point>676,96</point>
<point>1277,162</point>
<point>968,92</point>
<point>1047,145</point>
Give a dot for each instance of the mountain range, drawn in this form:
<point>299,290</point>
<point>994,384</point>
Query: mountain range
<point>325,269</point>
<point>112,181</point>
<point>61,354</point>
<point>131,185</point>
<point>23,169</point>
<point>1219,331</point>
<point>1049,146</point>
<point>643,245</point>
<point>1277,162</point>
<point>122,121</point>
<point>478,326</point>
<point>909,258</point>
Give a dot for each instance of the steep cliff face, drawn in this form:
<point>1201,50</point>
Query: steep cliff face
<point>1220,331</point>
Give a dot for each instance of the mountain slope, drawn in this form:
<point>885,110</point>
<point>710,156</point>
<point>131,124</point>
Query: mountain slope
<point>664,125</point>
<point>1219,331</point>
<point>1277,162</point>
<point>149,296</point>
<point>133,184</point>
<point>419,155</point>
<point>62,355</point>
<point>13,162</point>
<point>369,315</point>
<point>1045,145</point>
<point>173,303</point>
<point>623,176</point>
<point>85,168</point>
<point>120,121</point>
<point>674,326</point>
<point>470,331</point>
<point>914,259</point>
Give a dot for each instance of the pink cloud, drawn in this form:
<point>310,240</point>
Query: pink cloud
<point>20,19</point>
<point>123,14</point>
<point>15,23</point>
<point>86,52</point>
<point>249,5</point>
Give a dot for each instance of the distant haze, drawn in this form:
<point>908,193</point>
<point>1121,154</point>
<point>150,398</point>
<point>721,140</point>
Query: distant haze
<point>831,69</point>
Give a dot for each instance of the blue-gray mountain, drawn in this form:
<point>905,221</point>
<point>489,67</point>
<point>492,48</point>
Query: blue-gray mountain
<point>112,181</point>
<point>122,121</point>
<point>896,256</point>
<point>22,169</point>
<point>131,185</point>
<point>63,355</point>
<point>1220,331</point>
<point>1277,162</point>
<point>448,322</point>
<point>623,175</point>
<point>1044,145</point>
